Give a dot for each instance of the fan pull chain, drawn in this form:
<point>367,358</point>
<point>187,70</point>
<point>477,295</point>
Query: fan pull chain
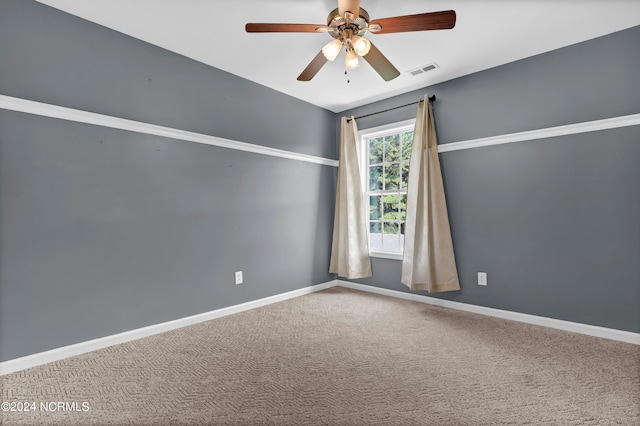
<point>345,73</point>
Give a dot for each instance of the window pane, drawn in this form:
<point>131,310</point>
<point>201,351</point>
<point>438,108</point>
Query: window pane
<point>375,236</point>
<point>388,163</point>
<point>407,138</point>
<point>392,176</point>
<point>391,243</point>
<point>375,207</point>
<point>375,151</point>
<point>392,148</point>
<point>391,239</point>
<point>375,178</point>
<point>390,206</point>
<point>405,174</point>
<point>391,228</point>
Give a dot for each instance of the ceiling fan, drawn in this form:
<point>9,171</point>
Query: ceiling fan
<point>347,24</point>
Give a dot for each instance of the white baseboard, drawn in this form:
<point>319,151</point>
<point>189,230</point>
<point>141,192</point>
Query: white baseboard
<point>57,354</point>
<point>590,330</point>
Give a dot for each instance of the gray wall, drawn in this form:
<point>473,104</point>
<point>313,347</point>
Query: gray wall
<point>104,231</point>
<point>555,223</point>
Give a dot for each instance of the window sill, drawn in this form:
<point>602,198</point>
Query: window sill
<point>386,255</point>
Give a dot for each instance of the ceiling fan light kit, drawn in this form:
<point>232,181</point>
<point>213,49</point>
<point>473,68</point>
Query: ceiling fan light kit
<point>332,49</point>
<point>351,60</point>
<point>356,46</point>
<point>361,45</point>
<point>348,24</point>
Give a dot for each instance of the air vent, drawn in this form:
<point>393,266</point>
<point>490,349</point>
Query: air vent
<point>424,68</point>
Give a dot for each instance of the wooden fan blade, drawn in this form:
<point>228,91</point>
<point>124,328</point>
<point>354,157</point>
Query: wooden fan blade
<point>352,6</point>
<point>381,64</point>
<point>312,69</point>
<point>285,28</point>
<point>444,20</point>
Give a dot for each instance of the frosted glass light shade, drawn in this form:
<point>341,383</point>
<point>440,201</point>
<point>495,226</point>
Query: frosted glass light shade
<point>332,49</point>
<point>360,45</point>
<point>352,60</point>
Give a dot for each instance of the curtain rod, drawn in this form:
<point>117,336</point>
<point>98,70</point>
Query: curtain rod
<point>431,99</point>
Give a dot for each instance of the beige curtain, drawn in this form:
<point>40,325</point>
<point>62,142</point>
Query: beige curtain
<point>350,247</point>
<point>428,263</point>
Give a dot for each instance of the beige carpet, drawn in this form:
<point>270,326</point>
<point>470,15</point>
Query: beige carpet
<point>341,357</point>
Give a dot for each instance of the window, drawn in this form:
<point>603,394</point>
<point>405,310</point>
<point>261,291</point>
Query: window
<point>386,172</point>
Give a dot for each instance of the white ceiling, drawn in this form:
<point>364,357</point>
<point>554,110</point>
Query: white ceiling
<point>487,33</point>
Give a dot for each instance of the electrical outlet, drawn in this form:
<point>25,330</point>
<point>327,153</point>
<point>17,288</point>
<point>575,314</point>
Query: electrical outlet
<point>238,277</point>
<point>482,278</point>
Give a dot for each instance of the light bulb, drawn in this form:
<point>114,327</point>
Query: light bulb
<point>361,45</point>
<point>352,60</point>
<point>332,49</point>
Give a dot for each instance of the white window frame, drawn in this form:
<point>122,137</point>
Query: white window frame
<point>365,135</point>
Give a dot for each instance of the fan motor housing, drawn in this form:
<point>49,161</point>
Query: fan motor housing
<point>338,24</point>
